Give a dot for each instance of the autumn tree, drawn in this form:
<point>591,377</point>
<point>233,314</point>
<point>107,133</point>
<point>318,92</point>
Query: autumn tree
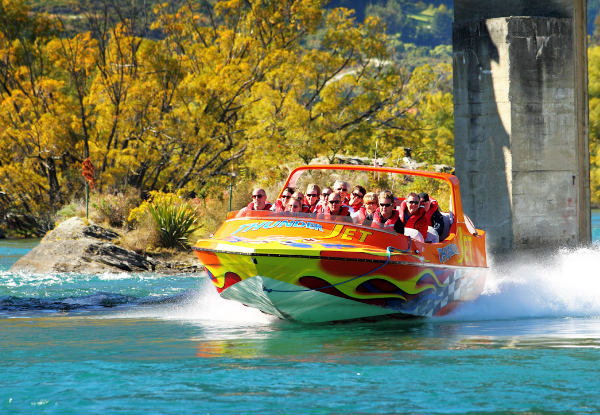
<point>594,116</point>
<point>181,100</point>
<point>34,116</point>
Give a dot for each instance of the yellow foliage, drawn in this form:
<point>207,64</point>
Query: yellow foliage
<point>207,99</point>
<point>594,122</point>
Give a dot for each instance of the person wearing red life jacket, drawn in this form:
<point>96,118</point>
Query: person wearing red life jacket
<point>299,196</point>
<point>334,206</point>
<point>293,206</point>
<point>281,203</point>
<point>412,215</point>
<point>356,198</point>
<point>341,187</point>
<point>322,204</point>
<point>435,219</point>
<point>259,201</point>
<point>364,216</point>
<point>311,198</point>
<point>386,217</point>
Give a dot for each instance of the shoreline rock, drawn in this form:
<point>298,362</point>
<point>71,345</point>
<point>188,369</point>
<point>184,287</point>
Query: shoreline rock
<point>74,246</point>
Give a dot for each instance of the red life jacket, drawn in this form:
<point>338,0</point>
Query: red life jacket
<point>417,221</point>
<point>380,222</point>
<point>311,208</point>
<point>344,211</point>
<point>278,206</point>
<point>250,206</point>
<point>361,215</point>
<point>357,206</point>
<point>433,206</point>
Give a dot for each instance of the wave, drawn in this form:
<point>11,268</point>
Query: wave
<point>12,304</point>
<point>564,284</point>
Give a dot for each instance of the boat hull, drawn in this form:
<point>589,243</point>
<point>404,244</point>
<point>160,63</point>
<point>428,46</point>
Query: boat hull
<point>313,289</point>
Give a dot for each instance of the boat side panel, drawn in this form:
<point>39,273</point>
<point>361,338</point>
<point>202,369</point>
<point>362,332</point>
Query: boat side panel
<point>310,236</point>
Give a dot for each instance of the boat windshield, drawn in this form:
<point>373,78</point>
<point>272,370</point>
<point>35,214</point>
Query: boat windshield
<point>399,182</point>
<point>295,215</point>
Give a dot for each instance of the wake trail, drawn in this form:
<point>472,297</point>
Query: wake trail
<point>564,284</point>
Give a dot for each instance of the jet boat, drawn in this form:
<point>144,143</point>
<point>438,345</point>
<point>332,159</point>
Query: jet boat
<point>314,268</point>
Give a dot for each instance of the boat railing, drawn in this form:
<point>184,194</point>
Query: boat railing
<point>297,215</point>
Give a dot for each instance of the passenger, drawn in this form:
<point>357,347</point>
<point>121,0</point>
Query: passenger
<point>293,205</point>
<point>365,214</point>
<point>299,196</point>
<point>322,204</point>
<point>435,219</point>
<point>312,197</point>
<point>259,201</point>
<point>335,207</point>
<point>386,216</point>
<point>341,188</point>
<point>356,198</point>
<point>281,203</point>
<point>412,216</point>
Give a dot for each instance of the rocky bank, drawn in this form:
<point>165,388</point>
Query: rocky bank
<point>74,246</point>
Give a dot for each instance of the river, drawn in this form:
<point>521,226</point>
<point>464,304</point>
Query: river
<point>140,343</point>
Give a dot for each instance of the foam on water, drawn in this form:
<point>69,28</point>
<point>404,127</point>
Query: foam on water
<point>203,305</point>
<point>565,284</point>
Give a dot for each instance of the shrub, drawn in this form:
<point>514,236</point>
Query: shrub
<point>175,218</point>
<point>74,208</point>
<point>113,209</point>
<point>144,238</point>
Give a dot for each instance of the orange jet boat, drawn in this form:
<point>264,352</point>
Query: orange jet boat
<point>310,267</point>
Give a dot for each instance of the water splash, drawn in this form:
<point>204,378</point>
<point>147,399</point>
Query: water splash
<point>203,305</point>
<point>564,284</point>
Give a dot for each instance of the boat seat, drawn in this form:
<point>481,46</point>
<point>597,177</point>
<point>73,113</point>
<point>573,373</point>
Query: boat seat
<point>448,221</point>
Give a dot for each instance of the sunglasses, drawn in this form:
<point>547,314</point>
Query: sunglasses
<point>325,194</point>
<point>357,195</point>
<point>413,202</point>
<point>257,196</point>
<point>333,202</point>
<point>312,195</point>
<point>285,197</point>
<point>343,189</point>
<point>385,204</point>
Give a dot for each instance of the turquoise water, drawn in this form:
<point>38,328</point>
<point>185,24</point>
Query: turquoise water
<point>149,344</point>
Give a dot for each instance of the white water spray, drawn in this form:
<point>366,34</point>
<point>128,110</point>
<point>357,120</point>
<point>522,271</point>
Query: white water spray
<point>208,306</point>
<point>565,284</point>
<point>203,306</point>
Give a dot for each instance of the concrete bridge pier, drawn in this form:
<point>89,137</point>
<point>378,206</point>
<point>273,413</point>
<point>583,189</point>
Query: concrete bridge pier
<point>521,120</point>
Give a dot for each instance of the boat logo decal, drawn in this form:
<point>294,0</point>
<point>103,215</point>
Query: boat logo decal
<point>447,252</point>
<point>269,224</point>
